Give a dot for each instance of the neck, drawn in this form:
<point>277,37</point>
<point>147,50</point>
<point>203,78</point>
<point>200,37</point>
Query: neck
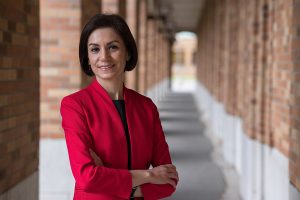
<point>113,88</point>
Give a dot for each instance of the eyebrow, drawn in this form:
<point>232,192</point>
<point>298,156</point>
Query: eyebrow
<point>94,44</point>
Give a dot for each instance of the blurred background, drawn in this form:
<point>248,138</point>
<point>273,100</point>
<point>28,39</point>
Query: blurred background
<point>223,73</point>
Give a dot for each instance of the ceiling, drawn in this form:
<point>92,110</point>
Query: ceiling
<point>182,14</point>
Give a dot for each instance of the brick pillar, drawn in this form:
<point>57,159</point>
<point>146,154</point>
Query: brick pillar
<point>151,51</point>
<point>242,55</point>
<point>282,70</point>
<point>114,6</point>
<point>142,46</point>
<point>61,24</point>
<point>132,20</point>
<point>269,14</point>
<point>60,69</point>
<point>168,56</point>
<point>294,140</point>
<point>232,57</point>
<point>19,99</point>
<point>169,61</point>
<point>159,47</point>
<point>250,80</point>
<point>88,9</point>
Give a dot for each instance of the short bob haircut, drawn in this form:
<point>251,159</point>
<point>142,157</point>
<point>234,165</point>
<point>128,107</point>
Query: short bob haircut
<point>118,24</point>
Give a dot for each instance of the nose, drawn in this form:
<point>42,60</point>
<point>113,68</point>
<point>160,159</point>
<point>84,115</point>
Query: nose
<point>104,54</point>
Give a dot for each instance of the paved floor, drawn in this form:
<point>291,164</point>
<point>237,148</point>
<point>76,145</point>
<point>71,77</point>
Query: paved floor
<point>200,177</point>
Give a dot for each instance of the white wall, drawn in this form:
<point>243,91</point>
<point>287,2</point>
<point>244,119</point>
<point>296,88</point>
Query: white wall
<point>158,90</point>
<point>263,171</point>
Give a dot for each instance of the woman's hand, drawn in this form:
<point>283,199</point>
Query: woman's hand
<point>164,174</point>
<point>96,158</point>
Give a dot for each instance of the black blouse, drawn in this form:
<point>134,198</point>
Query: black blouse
<point>120,105</point>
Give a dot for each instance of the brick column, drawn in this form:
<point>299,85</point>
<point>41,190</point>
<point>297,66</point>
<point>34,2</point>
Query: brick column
<point>132,20</point>
<point>160,66</point>
<point>250,67</point>
<point>282,69</point>
<point>294,140</point>
<point>142,46</point>
<point>88,9</point>
<point>151,51</point>
<point>61,24</point>
<point>60,70</point>
<point>257,64</point>
<point>114,6</point>
<point>159,52</point>
<point>19,99</point>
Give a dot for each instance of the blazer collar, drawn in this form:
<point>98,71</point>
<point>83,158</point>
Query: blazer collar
<point>103,93</point>
<point>109,105</point>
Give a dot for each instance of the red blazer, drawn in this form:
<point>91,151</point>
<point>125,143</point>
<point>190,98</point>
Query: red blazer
<point>91,120</point>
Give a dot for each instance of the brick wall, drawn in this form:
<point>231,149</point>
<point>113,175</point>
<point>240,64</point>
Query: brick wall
<point>129,11</point>
<point>88,9</point>
<point>295,99</point>
<point>132,19</point>
<point>114,6</point>
<point>248,57</point>
<point>19,91</point>
<point>151,51</point>
<point>61,25</point>
<point>142,47</point>
<point>60,71</point>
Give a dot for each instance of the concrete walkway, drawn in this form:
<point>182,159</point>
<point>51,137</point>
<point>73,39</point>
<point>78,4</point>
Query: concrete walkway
<point>200,177</point>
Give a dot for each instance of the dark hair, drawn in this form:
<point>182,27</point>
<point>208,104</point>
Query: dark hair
<point>107,21</point>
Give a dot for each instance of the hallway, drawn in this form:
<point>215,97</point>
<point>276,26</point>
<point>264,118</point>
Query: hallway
<point>200,177</point>
<point>236,136</point>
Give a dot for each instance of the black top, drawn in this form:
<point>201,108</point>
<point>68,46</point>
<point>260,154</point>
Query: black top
<point>120,105</point>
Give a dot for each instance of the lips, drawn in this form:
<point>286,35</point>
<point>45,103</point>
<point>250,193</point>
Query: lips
<point>106,67</point>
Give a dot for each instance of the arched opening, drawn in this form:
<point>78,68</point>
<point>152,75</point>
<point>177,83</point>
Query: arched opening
<point>184,62</point>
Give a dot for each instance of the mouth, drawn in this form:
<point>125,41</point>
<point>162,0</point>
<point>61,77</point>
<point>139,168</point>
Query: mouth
<point>105,67</point>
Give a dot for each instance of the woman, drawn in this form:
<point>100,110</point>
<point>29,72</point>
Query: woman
<point>114,134</point>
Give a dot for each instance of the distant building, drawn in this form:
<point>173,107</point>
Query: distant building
<point>184,49</point>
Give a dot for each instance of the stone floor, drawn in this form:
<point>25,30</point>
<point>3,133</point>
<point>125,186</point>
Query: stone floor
<point>200,176</point>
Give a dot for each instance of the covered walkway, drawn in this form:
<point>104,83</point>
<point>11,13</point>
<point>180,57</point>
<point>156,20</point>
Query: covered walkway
<point>242,142</point>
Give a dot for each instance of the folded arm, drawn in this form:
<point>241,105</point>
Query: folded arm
<point>88,175</point>
<point>161,160</point>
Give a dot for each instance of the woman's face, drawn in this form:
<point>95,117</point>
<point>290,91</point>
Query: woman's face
<point>107,54</point>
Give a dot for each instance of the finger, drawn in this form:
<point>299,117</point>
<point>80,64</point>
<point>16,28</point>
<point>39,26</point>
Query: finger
<point>171,182</point>
<point>168,165</point>
<point>171,167</point>
<point>94,155</point>
<point>96,158</point>
<point>174,176</point>
<point>171,170</point>
<point>91,152</point>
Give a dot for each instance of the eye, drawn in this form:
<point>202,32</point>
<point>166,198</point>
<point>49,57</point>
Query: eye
<point>113,47</point>
<point>95,49</point>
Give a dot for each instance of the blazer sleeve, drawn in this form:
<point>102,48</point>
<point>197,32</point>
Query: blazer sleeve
<point>90,177</point>
<point>160,156</point>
